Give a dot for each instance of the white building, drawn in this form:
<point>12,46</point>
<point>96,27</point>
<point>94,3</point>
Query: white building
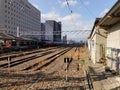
<point>97,43</point>
<point>19,16</point>
<point>111,23</point>
<point>109,26</point>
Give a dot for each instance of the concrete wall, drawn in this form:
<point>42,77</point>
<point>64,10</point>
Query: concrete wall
<point>100,42</point>
<point>93,49</point>
<point>113,47</point>
<point>92,46</point>
<point>113,38</point>
<point>98,38</point>
<point>89,46</point>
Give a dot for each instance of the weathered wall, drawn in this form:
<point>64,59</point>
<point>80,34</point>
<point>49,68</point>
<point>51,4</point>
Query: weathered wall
<point>101,41</point>
<point>113,38</point>
<point>98,38</point>
<point>113,47</point>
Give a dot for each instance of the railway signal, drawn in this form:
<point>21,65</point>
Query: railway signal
<point>67,60</point>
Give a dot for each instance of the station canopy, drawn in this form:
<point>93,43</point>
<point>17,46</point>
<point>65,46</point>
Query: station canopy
<point>5,36</point>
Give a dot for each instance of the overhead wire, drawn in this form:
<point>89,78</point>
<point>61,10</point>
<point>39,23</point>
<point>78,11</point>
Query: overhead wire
<point>71,12</point>
<point>74,31</point>
<point>89,12</point>
<point>69,6</point>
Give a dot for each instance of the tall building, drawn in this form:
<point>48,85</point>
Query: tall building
<point>19,17</point>
<point>42,31</point>
<point>65,39</point>
<point>53,31</point>
<point>57,32</point>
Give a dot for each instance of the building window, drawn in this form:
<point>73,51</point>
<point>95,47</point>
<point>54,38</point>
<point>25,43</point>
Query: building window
<point>5,26</point>
<point>5,11</point>
<point>5,6</point>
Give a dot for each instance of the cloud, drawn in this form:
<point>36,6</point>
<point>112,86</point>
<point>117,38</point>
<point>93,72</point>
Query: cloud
<point>103,12</point>
<point>71,2</point>
<point>86,2</point>
<point>50,16</point>
<point>37,7</point>
<point>59,1</point>
<point>70,23</point>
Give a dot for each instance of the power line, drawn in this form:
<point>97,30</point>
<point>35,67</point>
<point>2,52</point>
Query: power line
<point>77,31</point>
<point>71,11</point>
<point>74,32</point>
<point>69,6</point>
<point>90,13</point>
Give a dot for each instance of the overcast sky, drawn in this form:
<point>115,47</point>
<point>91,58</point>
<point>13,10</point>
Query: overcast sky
<point>83,14</point>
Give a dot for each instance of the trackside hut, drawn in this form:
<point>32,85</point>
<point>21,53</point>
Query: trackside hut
<point>97,43</point>
<point>111,23</point>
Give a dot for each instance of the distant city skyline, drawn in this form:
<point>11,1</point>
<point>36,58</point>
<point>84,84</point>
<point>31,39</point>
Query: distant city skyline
<point>83,14</point>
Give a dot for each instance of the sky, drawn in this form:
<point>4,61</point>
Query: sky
<point>84,13</point>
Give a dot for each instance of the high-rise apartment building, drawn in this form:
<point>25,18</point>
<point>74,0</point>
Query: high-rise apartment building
<point>19,16</point>
<point>53,31</point>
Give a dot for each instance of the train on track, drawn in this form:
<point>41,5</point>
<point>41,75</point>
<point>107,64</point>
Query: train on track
<point>10,43</point>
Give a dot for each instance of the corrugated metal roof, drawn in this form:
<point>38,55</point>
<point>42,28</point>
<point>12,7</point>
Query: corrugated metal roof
<point>115,12</point>
<point>6,36</point>
<point>96,22</point>
<point>11,37</point>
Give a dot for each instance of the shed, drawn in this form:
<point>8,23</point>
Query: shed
<point>111,23</point>
<point>97,43</point>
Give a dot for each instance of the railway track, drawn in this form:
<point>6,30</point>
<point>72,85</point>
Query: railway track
<point>20,61</point>
<point>51,59</point>
<point>39,78</point>
<point>48,59</point>
<point>45,63</point>
<point>19,54</point>
<point>74,51</point>
<point>27,58</point>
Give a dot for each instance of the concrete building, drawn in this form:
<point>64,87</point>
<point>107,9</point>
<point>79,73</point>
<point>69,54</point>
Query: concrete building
<point>110,26</point>
<point>42,31</point>
<point>97,43</point>
<point>19,17</point>
<point>65,39</point>
<point>111,23</point>
<point>53,31</point>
